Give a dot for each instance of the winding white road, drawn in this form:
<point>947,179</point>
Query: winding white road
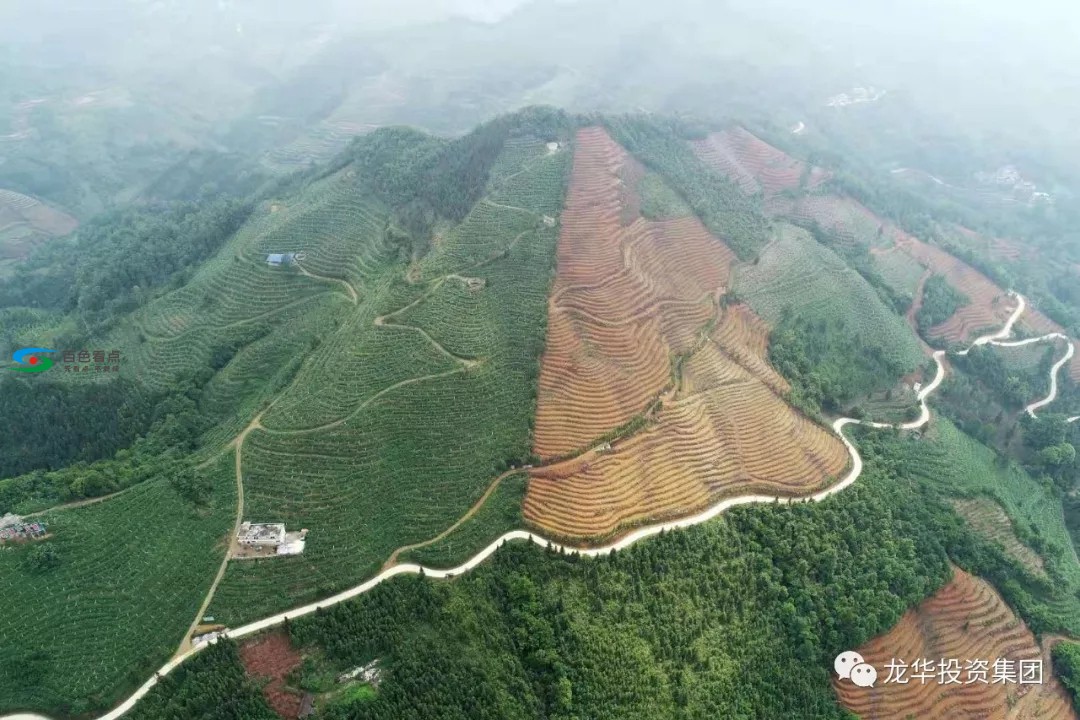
<point>999,338</point>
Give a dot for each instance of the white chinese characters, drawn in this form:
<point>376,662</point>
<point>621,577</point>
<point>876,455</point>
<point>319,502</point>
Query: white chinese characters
<point>942,671</point>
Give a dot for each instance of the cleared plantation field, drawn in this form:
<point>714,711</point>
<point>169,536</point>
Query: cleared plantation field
<point>130,573</point>
<point>901,271</point>
<point>383,417</point>
<point>989,306</point>
<point>990,521</point>
<point>759,167</point>
<point>754,164</point>
<point>606,357</point>
<point>795,273</point>
<point>635,315</point>
<point>849,220</point>
<point>842,217</point>
<point>26,223</point>
<point>846,218</point>
<point>269,659</point>
<point>618,311</point>
<point>965,619</point>
<point>971,470</point>
<point>728,431</point>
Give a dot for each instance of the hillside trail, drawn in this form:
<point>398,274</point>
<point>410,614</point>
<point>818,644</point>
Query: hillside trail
<point>999,338</point>
<point>392,560</point>
<point>234,324</point>
<point>351,293</point>
<point>349,289</point>
<point>79,503</point>
<point>384,321</point>
<point>237,444</point>
<point>917,299</point>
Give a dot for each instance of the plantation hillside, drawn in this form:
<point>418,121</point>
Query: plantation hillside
<point>394,360</point>
<point>537,631</point>
<point>572,325</point>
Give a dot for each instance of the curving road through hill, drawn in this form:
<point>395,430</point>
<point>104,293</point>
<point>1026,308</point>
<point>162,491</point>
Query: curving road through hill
<point>999,338</point>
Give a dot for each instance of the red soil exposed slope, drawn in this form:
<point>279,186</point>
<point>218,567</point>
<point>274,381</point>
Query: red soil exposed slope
<point>627,295</point>
<point>636,316</point>
<point>850,220</point>
<point>754,164</point>
<point>965,620</point>
<point>989,306</point>
<point>272,657</point>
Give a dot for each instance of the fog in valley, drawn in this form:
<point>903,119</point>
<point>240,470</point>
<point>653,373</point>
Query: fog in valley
<point>98,99</point>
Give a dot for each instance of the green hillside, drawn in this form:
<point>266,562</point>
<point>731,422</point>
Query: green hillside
<point>393,362</point>
<point>384,416</point>
<point>834,337</point>
<point>96,608</point>
<point>659,630</point>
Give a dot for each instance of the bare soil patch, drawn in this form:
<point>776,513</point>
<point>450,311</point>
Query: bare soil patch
<point>273,657</point>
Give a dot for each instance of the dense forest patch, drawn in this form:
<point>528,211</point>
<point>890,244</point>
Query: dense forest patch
<point>940,301</point>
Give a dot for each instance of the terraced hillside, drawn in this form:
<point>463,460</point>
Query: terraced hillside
<point>800,281</point>
<point>754,164</point>
<point>114,594</point>
<point>636,317</point>
<point>851,222</point>
<point>989,519</point>
<point>993,247</point>
<point>422,390</point>
<point>968,470</point>
<point>25,223</point>
<point>339,393</point>
<point>988,305</point>
<point>967,620</point>
<point>253,322</point>
<point>618,309</point>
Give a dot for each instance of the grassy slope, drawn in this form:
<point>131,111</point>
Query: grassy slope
<point>418,425</point>
<point>132,571</point>
<point>900,271</point>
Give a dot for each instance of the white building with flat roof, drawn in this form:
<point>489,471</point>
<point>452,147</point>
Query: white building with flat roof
<point>261,534</point>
